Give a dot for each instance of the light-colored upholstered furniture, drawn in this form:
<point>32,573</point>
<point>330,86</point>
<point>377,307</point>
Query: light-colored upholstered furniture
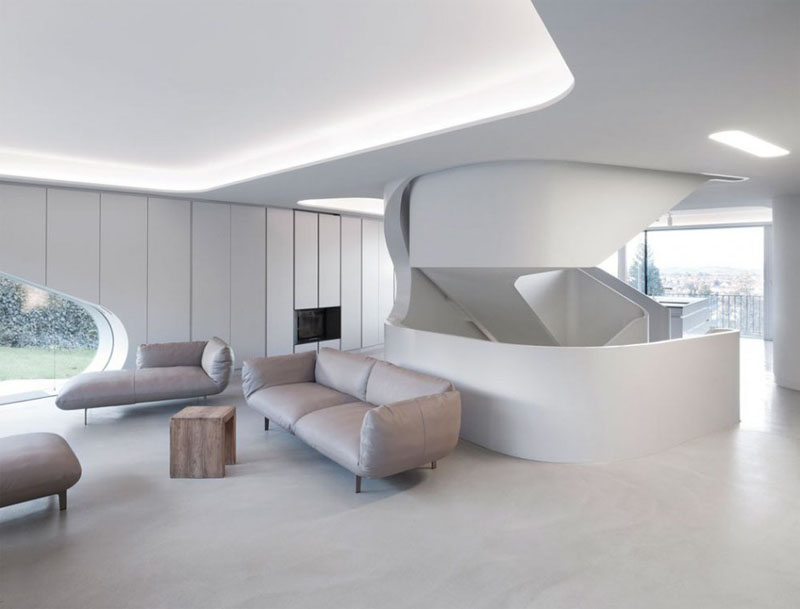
<point>35,465</point>
<point>369,416</point>
<point>164,371</point>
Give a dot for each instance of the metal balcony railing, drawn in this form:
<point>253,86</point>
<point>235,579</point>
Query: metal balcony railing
<point>743,312</point>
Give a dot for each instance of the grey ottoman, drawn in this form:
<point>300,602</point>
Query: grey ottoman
<point>34,465</point>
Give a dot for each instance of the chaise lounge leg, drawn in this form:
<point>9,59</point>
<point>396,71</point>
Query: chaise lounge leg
<point>85,411</point>
<point>62,500</point>
<point>358,484</point>
<point>433,464</point>
<point>266,424</point>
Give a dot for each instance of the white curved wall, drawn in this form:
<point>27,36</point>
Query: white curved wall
<point>546,214</point>
<point>471,233</point>
<point>581,404</point>
<point>786,290</point>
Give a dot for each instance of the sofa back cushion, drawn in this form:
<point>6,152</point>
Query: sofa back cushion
<point>217,361</point>
<point>389,383</point>
<point>344,372</point>
<point>162,355</point>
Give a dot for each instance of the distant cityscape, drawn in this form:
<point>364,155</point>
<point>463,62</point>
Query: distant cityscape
<point>712,280</point>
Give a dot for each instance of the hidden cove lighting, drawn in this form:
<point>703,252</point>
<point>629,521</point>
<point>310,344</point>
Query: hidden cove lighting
<point>354,205</point>
<point>748,143</point>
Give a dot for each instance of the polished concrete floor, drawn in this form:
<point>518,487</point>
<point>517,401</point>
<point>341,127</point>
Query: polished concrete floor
<point>711,523</point>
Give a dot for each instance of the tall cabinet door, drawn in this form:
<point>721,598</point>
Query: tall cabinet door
<point>386,284</point>
<point>306,260</point>
<point>248,281</point>
<point>329,260</point>
<point>211,271</point>
<point>169,264</point>
<point>351,283</point>
<point>370,282</point>
<point>73,243</point>
<point>280,290</point>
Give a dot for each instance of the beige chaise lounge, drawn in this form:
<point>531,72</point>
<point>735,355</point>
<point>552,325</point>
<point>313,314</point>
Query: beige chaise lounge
<point>164,371</point>
<point>35,465</point>
<point>369,416</point>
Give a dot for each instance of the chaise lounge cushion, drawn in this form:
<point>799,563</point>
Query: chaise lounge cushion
<point>286,404</point>
<point>389,383</point>
<point>92,389</point>
<point>160,355</point>
<point>164,371</point>
<point>335,432</point>
<point>345,372</point>
<point>34,465</point>
<point>171,383</point>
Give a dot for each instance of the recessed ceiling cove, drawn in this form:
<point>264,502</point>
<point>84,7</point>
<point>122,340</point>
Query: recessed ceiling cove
<point>170,95</point>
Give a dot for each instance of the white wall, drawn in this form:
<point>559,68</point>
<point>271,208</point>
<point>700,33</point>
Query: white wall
<point>786,290</point>
<point>175,270</point>
<point>581,404</point>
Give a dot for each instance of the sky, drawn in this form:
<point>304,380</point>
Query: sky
<point>721,247</point>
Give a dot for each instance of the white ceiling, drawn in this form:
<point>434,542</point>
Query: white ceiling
<point>652,80</point>
<point>188,96</point>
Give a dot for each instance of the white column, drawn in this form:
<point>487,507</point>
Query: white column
<point>786,290</point>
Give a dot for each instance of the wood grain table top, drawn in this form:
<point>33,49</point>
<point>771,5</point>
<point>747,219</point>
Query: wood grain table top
<point>206,412</point>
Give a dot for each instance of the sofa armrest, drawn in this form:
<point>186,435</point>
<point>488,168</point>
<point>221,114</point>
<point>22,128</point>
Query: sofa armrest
<point>217,361</point>
<point>400,436</point>
<point>163,355</point>
<point>263,372</point>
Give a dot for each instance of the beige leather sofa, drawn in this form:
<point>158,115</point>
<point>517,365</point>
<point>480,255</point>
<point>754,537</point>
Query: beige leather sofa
<point>164,371</point>
<point>369,416</point>
<point>34,465</point>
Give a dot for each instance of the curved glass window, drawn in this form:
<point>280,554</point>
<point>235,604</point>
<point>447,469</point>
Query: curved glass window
<point>45,338</point>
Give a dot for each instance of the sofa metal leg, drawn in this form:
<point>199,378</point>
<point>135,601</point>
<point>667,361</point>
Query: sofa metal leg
<point>358,484</point>
<point>62,500</point>
<point>266,424</point>
<point>85,411</point>
<point>433,464</point>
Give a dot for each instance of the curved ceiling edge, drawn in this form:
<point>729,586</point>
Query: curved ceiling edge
<point>543,81</point>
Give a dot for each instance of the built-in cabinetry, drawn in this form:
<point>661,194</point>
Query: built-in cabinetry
<point>306,260</point>
<point>329,260</point>
<point>175,270</point>
<point>280,279</point>
<point>351,283</point>
<point>371,322</point>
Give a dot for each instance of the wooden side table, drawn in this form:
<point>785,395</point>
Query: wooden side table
<point>202,440</point>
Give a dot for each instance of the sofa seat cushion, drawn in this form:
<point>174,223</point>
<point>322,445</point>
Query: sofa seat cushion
<point>345,372</point>
<point>92,389</point>
<point>335,432</point>
<point>152,384</point>
<point>34,465</point>
<point>389,383</point>
<point>287,404</point>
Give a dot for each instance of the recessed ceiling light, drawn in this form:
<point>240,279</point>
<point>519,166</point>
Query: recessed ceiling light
<point>355,205</point>
<point>748,143</point>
